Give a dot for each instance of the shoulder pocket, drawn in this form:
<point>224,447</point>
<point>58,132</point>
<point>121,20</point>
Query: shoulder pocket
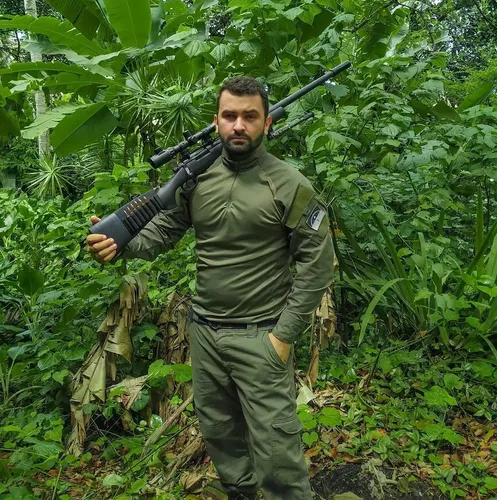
<point>301,200</point>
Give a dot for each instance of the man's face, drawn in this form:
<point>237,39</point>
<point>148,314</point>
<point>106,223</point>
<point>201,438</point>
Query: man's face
<point>240,122</point>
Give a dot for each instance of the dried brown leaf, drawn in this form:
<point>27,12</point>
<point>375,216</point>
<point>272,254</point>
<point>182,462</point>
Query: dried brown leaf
<point>313,371</point>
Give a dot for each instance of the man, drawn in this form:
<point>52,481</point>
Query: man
<point>253,215</point>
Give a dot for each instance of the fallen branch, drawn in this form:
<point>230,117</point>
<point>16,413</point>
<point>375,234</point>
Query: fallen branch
<point>155,436</point>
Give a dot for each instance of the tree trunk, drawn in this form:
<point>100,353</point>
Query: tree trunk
<point>40,102</point>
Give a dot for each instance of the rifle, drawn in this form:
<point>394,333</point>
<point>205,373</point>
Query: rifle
<point>126,222</point>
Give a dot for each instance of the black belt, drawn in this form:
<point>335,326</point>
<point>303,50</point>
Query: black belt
<point>216,326</point>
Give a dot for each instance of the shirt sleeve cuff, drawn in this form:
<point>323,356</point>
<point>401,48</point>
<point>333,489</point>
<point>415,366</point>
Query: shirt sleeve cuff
<point>290,326</point>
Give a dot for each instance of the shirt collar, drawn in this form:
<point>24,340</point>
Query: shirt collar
<point>249,161</point>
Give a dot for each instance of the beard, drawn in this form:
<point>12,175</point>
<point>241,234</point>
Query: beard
<point>241,147</point>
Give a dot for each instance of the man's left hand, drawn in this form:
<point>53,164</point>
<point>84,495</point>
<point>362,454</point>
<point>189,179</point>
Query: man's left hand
<point>282,348</point>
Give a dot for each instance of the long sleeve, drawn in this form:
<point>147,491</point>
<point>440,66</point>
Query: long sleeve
<point>160,234</point>
<point>312,251</point>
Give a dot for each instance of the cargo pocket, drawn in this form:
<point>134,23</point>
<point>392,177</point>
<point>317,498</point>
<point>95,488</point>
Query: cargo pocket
<point>288,458</point>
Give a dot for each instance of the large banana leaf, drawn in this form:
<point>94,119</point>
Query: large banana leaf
<point>35,67</point>
<point>82,14</point>
<point>81,62</point>
<point>59,32</point>
<point>84,126</point>
<point>47,120</point>
<point>132,20</point>
<point>73,82</point>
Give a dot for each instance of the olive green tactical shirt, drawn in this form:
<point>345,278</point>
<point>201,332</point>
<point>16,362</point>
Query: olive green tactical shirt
<point>252,218</point>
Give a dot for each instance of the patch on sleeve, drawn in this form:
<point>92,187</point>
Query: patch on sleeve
<point>315,217</point>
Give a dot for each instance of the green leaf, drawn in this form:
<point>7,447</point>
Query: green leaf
<point>330,417</point>
<point>438,396</point>
<point>54,434</point>
<point>292,14</point>
<point>369,312</point>
<point>491,483</point>
<point>20,493</point>
<point>30,280</point>
<point>342,139</point>
<point>148,330</point>
<point>249,47</point>
<point>482,369</point>
<point>59,32</point>
<point>444,112</point>
<point>44,448</point>
<point>179,39</point>
<point>337,91</point>
<point>478,96</point>
<point>307,418</point>
<point>83,127</point>
<point>158,370</point>
<point>195,48</point>
<point>396,37</point>
<point>132,20</point>
<point>80,14</point>
<point>182,373</point>
<point>47,120</point>
<point>452,381</point>
<point>310,12</point>
<point>60,376</point>
<point>491,265</point>
<point>137,486</point>
<point>142,401</point>
<point>310,438</point>
<point>74,82</point>
<point>39,68</point>
<point>221,52</point>
<point>113,480</point>
<point>489,238</point>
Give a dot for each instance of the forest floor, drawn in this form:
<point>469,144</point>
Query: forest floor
<point>426,432</point>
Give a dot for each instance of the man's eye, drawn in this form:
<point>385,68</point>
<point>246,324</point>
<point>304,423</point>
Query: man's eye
<point>251,117</point>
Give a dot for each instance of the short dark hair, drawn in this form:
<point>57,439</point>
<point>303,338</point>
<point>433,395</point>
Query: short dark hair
<point>245,85</point>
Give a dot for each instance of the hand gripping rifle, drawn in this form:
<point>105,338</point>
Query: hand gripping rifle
<point>124,224</point>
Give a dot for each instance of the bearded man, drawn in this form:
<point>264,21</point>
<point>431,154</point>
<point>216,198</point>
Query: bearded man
<point>254,216</point>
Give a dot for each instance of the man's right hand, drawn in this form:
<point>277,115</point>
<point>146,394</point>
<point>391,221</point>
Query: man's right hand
<point>101,248</point>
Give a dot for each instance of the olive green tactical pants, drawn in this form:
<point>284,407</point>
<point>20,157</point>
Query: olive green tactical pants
<point>245,401</point>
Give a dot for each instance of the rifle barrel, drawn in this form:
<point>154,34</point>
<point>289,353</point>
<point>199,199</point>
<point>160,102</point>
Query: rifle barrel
<point>310,86</point>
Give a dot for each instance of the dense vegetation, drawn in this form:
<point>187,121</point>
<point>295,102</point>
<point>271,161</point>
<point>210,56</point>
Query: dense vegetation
<point>402,150</point>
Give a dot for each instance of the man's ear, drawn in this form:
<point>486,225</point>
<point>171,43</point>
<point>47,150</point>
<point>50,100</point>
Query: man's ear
<point>267,124</point>
<point>215,123</point>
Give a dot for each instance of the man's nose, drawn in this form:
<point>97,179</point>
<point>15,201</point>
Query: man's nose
<point>239,125</point>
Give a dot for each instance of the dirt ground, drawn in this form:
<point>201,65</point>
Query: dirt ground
<point>371,482</point>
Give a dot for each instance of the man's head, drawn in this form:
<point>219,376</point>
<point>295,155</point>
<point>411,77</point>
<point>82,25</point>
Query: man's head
<point>242,118</point>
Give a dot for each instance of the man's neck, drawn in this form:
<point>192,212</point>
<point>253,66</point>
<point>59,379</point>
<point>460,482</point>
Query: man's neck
<point>243,161</point>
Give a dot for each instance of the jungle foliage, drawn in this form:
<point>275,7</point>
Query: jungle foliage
<point>402,150</point>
